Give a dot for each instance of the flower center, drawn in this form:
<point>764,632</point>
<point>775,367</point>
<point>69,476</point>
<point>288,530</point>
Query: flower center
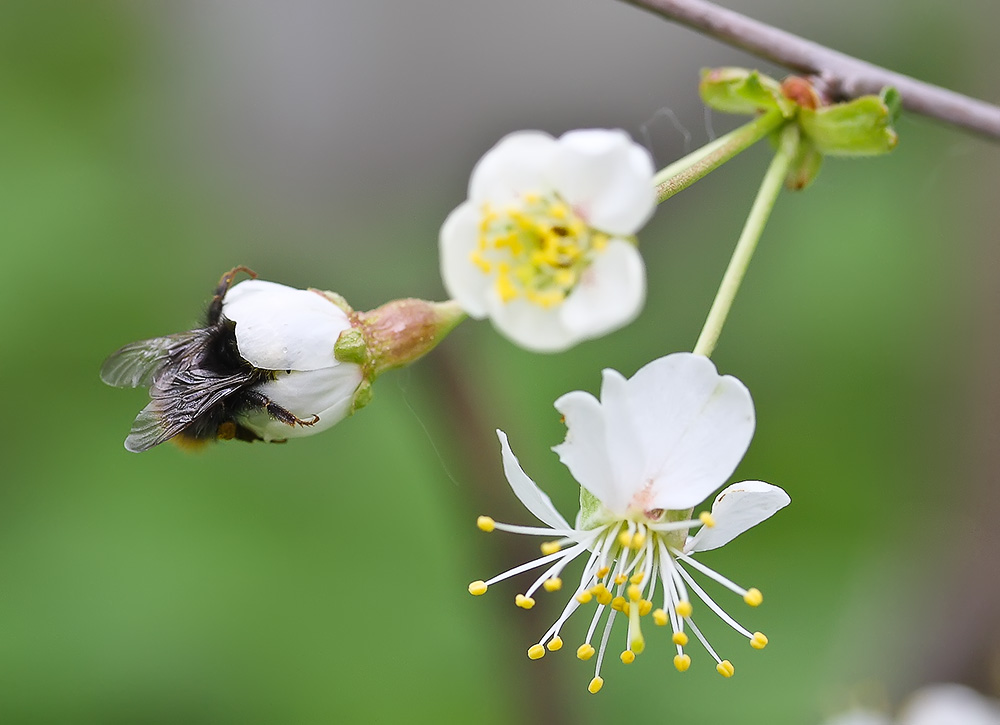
<point>537,248</point>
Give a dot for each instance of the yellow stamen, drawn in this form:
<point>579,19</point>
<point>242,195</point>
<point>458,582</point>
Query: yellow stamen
<point>758,641</point>
<point>707,519</point>
<point>753,597</point>
<point>634,592</point>
<point>552,585</point>
<point>550,547</point>
<point>625,539</point>
<point>684,608</point>
<point>477,588</point>
<point>603,572</point>
<point>628,657</point>
<point>680,638</point>
<point>660,617</point>
<point>524,602</point>
<point>603,595</point>
<point>555,643</point>
<point>536,652</point>
<point>485,523</point>
<point>725,668</point>
<point>585,651</point>
<point>682,662</point>
<point>645,607</point>
<point>621,579</point>
<point>638,577</point>
<point>584,597</point>
<point>638,541</point>
<point>595,685</point>
<point>618,603</point>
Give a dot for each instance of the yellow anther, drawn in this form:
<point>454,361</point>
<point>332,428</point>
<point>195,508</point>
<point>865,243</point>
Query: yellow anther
<point>621,579</point>
<point>558,211</point>
<point>584,597</point>
<point>485,523</point>
<point>638,541</point>
<point>645,607</point>
<point>684,608</point>
<point>506,288</point>
<point>603,596</point>
<point>625,608</point>
<point>550,547</point>
<point>477,588</point>
<point>682,662</point>
<point>625,539</point>
<point>618,603</point>
<point>585,651</point>
<point>628,657</point>
<point>638,577</point>
<point>634,592</point>
<point>680,638</point>
<point>707,519</point>
<point>599,241</point>
<point>536,652</point>
<point>524,602</point>
<point>480,262</point>
<point>603,572</point>
<point>725,668</point>
<point>555,643</point>
<point>753,597</point>
<point>552,585</point>
<point>660,617</point>
<point>595,685</point>
<point>758,641</point>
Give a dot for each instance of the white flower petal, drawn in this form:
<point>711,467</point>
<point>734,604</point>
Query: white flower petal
<point>737,508</point>
<point>624,449</point>
<point>532,327</point>
<point>282,328</point>
<point>516,165</point>
<point>950,704</point>
<point>610,292</point>
<point>606,178</point>
<point>584,452</point>
<point>533,498</point>
<point>465,282</point>
<point>692,426</point>
<point>327,392</point>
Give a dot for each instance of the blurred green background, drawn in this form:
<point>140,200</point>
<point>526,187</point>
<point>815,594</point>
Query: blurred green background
<point>147,147</point>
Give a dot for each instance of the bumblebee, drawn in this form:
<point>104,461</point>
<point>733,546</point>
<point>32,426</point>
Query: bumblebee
<point>261,368</point>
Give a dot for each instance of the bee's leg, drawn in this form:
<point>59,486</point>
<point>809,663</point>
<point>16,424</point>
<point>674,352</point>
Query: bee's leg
<point>278,413</point>
<point>215,307</point>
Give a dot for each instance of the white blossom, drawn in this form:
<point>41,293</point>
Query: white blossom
<point>653,447</point>
<point>545,243</point>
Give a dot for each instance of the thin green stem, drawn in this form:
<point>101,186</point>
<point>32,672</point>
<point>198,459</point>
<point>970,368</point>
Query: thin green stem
<point>759,213</point>
<point>697,164</point>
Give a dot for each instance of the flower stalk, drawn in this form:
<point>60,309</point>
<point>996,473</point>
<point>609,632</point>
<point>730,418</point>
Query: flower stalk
<point>746,245</point>
<point>681,174</point>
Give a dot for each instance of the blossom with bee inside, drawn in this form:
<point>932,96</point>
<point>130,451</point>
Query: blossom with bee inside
<point>545,243</point>
<point>651,449</point>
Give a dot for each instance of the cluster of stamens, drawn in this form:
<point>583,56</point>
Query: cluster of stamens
<point>628,561</point>
<point>536,248</point>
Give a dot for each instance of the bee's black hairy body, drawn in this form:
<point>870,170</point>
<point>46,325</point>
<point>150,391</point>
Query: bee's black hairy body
<point>200,387</point>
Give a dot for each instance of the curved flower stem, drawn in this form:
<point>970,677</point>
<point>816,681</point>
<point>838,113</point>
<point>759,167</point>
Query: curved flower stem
<point>759,212</point>
<point>697,164</point>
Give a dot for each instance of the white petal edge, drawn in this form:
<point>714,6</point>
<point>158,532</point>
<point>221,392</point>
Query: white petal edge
<point>283,328</point>
<point>531,326</point>
<point>465,282</point>
<point>622,442</point>
<point>605,177</point>
<point>584,452</point>
<point>518,164</point>
<point>692,426</point>
<point>527,491</point>
<point>949,704</point>
<point>737,508</point>
<point>610,292</point>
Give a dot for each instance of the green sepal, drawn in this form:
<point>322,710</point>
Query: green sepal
<point>738,90</point>
<point>362,396</point>
<point>862,127</point>
<point>804,167</point>
<point>593,513</point>
<point>351,347</point>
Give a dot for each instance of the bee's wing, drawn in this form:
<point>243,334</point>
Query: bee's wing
<point>136,364</point>
<point>180,398</point>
